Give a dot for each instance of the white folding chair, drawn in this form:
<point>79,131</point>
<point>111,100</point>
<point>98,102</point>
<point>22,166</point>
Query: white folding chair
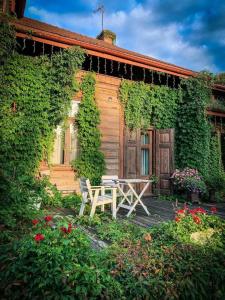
<point>97,197</point>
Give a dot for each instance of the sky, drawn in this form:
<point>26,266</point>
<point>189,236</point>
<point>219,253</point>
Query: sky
<point>188,33</point>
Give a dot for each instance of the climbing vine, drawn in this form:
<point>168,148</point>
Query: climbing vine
<point>90,163</point>
<point>216,175</point>
<point>192,129</point>
<point>7,40</point>
<point>35,96</point>
<point>183,109</point>
<point>149,105</point>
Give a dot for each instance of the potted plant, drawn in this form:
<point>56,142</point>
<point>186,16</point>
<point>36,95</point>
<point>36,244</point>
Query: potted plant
<point>189,181</point>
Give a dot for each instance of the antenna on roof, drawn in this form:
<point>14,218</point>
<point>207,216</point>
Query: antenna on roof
<point>101,9</point>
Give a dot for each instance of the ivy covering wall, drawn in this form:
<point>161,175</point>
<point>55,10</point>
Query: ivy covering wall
<point>35,96</point>
<point>90,163</point>
<point>183,109</point>
<point>149,105</point>
<point>192,135</point>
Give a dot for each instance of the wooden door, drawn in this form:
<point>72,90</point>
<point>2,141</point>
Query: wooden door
<point>138,156</point>
<point>132,153</point>
<point>164,158</point>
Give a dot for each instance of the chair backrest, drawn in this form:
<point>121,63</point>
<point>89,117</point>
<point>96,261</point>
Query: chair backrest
<point>109,179</point>
<point>83,188</point>
<point>83,185</point>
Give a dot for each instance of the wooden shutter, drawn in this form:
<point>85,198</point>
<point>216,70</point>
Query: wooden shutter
<point>164,158</point>
<point>132,153</point>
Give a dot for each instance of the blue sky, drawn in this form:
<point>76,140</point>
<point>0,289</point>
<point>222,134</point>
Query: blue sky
<point>188,33</point>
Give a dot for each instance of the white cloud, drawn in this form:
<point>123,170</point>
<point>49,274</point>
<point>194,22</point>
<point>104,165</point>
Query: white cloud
<point>137,30</point>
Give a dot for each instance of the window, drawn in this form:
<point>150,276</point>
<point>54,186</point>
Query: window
<point>66,144</point>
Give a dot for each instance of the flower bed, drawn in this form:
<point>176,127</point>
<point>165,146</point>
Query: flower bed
<point>54,259</point>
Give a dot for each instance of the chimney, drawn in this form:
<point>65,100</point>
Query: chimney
<point>107,36</point>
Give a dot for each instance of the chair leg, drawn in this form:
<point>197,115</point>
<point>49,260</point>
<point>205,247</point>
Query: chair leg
<point>94,204</point>
<point>81,212</point>
<point>93,208</point>
<point>103,208</point>
<point>114,204</point>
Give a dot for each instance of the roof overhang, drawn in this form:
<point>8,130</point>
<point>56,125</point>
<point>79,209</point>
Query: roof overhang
<point>101,51</point>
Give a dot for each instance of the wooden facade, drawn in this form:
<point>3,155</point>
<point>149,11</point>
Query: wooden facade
<point>128,154</point>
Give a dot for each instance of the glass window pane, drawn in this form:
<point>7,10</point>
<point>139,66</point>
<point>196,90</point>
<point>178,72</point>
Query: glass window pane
<point>144,139</point>
<point>144,161</point>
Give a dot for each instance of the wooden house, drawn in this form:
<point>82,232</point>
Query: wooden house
<point>128,154</point>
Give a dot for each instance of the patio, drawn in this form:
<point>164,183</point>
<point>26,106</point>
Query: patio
<point>160,211</point>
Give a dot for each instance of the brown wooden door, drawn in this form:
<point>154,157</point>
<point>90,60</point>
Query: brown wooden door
<point>132,153</point>
<point>164,158</point>
<point>138,156</point>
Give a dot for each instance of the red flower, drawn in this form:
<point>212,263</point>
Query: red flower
<point>67,230</point>
<point>39,237</point>
<point>35,222</point>
<point>177,219</point>
<point>213,209</point>
<point>48,218</point>
<point>198,210</point>
<point>181,211</point>
<point>63,229</point>
<point>196,219</point>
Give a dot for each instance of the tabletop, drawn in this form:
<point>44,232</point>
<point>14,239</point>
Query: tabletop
<point>134,180</point>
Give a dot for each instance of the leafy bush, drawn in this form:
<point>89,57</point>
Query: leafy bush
<point>115,231</point>
<point>168,262</point>
<point>72,201</point>
<point>54,261</point>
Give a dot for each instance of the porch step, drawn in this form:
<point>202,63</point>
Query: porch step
<point>64,179</point>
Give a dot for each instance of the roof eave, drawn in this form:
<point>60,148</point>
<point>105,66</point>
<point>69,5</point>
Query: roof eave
<point>148,63</point>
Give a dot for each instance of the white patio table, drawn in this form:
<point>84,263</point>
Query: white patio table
<point>135,197</point>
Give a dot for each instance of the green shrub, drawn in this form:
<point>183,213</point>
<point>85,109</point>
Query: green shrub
<point>117,231</point>
<point>54,261</point>
<point>72,201</point>
<point>166,262</point>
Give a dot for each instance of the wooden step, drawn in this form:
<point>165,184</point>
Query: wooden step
<point>64,178</point>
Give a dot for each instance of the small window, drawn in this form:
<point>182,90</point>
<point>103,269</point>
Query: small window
<point>144,138</point>
<point>144,162</point>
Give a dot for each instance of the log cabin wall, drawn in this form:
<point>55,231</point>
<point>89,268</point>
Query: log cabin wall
<point>111,128</point>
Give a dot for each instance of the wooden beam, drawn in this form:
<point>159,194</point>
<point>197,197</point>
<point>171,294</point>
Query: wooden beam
<point>41,40</point>
<point>215,113</point>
